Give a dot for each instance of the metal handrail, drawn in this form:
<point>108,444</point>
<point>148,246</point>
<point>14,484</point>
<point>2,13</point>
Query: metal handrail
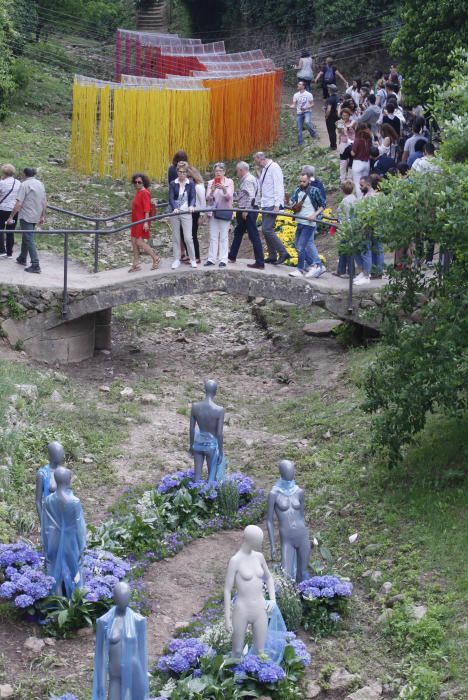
<point>97,231</point>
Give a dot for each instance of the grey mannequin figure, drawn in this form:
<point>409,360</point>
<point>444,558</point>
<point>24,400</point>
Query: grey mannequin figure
<point>64,535</point>
<point>286,501</point>
<point>246,573</point>
<point>45,479</point>
<point>121,663</point>
<point>206,433</point>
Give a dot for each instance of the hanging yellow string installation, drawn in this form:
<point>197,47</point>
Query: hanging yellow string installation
<point>118,129</point>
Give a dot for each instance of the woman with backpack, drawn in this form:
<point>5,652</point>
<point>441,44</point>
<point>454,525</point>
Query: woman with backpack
<point>328,75</point>
<point>305,69</point>
<point>9,187</point>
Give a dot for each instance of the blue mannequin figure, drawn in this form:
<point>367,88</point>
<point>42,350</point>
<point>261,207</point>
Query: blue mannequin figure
<point>120,662</point>
<point>64,535</point>
<point>45,479</point>
<point>286,501</point>
<point>206,442</point>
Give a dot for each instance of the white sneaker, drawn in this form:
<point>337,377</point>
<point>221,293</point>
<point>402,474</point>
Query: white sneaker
<point>193,263</point>
<point>175,264</point>
<point>296,273</point>
<point>320,271</point>
<point>3,255</point>
<point>362,280</point>
<point>358,277</point>
<point>312,271</point>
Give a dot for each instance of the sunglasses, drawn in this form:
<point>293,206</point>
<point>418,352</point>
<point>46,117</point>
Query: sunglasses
<point>138,182</point>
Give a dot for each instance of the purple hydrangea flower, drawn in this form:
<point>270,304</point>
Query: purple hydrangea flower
<point>300,651</point>
<point>325,587</point>
<point>24,601</point>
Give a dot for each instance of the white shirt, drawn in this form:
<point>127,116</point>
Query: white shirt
<point>303,101</point>
<point>201,196</point>
<point>31,195</point>
<point>182,202</point>
<point>425,165</point>
<point>271,186</point>
<point>10,199</point>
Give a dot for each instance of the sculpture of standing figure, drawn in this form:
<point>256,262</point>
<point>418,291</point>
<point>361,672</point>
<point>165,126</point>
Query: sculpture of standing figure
<point>286,500</point>
<point>64,535</point>
<point>207,441</point>
<point>120,662</point>
<point>246,573</point>
<point>45,480</point>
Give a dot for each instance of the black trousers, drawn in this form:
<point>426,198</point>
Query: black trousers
<point>331,128</point>
<point>195,222</point>
<point>249,225</point>
<point>6,232</point>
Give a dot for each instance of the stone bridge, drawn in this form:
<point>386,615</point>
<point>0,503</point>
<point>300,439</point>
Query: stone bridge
<point>31,305</point>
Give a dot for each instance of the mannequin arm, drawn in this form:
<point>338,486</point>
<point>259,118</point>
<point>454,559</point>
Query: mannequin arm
<point>270,584</point>
<point>39,495</point>
<point>220,435</point>
<point>228,586</point>
<point>193,423</point>
<point>301,501</point>
<point>270,526</point>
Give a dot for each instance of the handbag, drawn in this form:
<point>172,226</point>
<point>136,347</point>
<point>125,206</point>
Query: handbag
<point>223,215</point>
<point>8,193</point>
<point>297,206</point>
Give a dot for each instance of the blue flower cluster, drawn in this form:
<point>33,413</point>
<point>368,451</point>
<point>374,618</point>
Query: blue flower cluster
<point>325,587</point>
<point>67,696</point>
<point>185,655</point>
<point>300,649</point>
<point>24,580</point>
<point>264,671</point>
<point>171,481</point>
<point>245,484</point>
<point>102,570</point>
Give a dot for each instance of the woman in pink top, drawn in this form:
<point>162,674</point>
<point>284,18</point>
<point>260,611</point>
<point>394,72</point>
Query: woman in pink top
<point>345,128</point>
<point>219,195</point>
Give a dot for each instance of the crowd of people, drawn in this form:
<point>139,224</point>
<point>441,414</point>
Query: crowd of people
<point>259,189</point>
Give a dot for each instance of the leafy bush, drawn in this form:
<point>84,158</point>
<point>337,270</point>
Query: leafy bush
<point>325,602</point>
<point>163,520</point>
<point>423,684</point>
<point>411,636</point>
<point>289,601</point>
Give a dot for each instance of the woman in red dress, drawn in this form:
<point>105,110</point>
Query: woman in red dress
<point>140,233</point>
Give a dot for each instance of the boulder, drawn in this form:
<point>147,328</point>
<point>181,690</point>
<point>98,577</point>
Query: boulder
<point>312,690</point>
<point>127,393</point>
<point>385,588</point>
<point>418,611</point>
<point>27,391</point>
<point>149,398</point>
<point>375,576</point>
<point>341,679</point>
<point>321,328</point>
<point>399,598</point>
<point>34,644</point>
<point>6,691</point>
<point>369,692</point>
<point>56,396</point>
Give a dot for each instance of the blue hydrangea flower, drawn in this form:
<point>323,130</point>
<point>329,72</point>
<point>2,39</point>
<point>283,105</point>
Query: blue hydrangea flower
<point>24,601</point>
<point>300,652</point>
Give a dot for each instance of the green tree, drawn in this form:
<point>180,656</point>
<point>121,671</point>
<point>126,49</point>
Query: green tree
<point>8,36</point>
<point>429,32</point>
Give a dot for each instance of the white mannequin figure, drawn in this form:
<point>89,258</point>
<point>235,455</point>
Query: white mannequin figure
<point>246,573</point>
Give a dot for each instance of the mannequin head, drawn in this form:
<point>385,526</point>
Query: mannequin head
<point>63,477</point>
<point>211,387</point>
<point>122,594</point>
<point>56,454</point>
<point>286,469</point>
<point>253,537</point>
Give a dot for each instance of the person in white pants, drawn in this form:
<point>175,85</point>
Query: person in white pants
<point>360,153</point>
<point>182,198</point>
<point>219,195</point>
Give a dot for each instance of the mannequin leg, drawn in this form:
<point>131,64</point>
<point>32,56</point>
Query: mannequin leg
<point>239,630</point>
<point>114,688</point>
<point>288,557</point>
<point>198,459</point>
<point>260,627</point>
<point>303,557</point>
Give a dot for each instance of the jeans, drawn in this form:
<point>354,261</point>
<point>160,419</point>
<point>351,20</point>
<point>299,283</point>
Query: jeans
<point>249,225</point>
<point>372,257</point>
<point>377,256</point>
<point>6,231</point>
<point>331,128</point>
<point>274,245</point>
<point>28,244</point>
<point>301,119</point>
<point>344,264</point>
<point>307,252</point>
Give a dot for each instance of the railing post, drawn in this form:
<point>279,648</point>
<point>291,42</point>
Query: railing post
<point>96,246</point>
<point>65,277</point>
<point>350,287</point>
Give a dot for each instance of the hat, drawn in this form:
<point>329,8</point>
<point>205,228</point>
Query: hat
<point>332,88</point>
